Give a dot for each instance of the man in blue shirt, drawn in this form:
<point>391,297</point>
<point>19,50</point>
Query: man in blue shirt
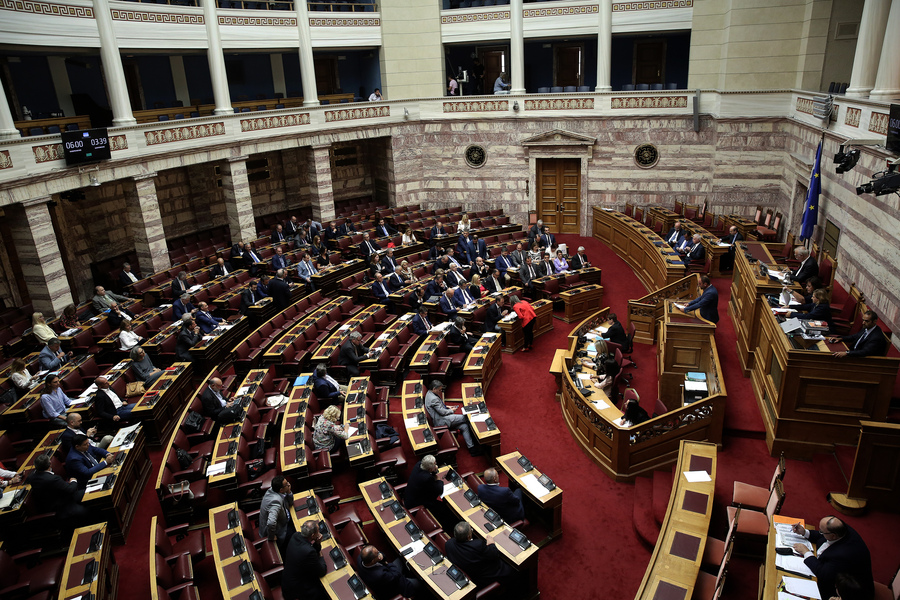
<point>51,357</point>
<point>54,401</point>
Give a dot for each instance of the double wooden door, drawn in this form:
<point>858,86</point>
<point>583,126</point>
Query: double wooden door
<point>559,194</point>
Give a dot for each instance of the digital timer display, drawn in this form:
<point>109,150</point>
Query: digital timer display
<point>85,146</point>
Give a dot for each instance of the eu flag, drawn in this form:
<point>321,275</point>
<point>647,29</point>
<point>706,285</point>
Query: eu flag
<point>811,212</point>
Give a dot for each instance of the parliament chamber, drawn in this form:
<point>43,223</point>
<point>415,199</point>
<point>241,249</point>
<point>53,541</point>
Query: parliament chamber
<point>238,153</point>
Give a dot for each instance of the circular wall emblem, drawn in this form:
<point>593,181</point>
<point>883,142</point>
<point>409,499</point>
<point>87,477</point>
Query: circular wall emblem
<point>475,156</point>
<point>646,156</point>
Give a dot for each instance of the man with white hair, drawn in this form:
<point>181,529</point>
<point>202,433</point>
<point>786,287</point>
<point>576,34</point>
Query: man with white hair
<point>580,260</point>
<point>808,266</point>
<point>695,252</point>
<point>352,353</point>
<point>454,276</point>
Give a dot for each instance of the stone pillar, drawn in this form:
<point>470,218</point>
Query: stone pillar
<point>8,129</point>
<point>887,81</point>
<point>320,187</point>
<point>278,82</point>
<point>61,86</point>
<point>39,257</point>
<point>179,79</point>
<point>516,48</point>
<point>146,224</point>
<point>113,73</point>
<point>868,47</point>
<point>307,65</point>
<point>216,60</point>
<point>604,47</point>
<point>238,204</point>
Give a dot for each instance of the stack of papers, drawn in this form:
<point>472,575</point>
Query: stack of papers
<point>697,476</point>
<point>216,469</point>
<point>88,391</point>
<point>792,563</point>
<point>449,488</point>
<point>121,435</point>
<point>803,588</point>
<point>416,546</point>
<point>94,485</point>
<point>601,404</point>
<point>534,487</point>
<point>6,499</point>
<point>70,332</point>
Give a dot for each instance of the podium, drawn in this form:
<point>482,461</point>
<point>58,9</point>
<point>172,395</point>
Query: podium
<point>687,344</point>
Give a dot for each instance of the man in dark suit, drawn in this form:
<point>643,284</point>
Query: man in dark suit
<point>480,268</point>
<point>384,230</point>
<point>840,550</point>
<point>51,493</point>
<point>277,234</point>
<point>446,304</point>
<point>479,559</point>
<point>352,353</point>
<point>454,276</point>
<point>180,285</point>
<point>535,232</point>
<point>326,388</point>
<point>182,306</point>
<point>221,269</point>
<point>421,325</point>
<point>126,277</point>
<point>695,252</point>
<point>332,233</point>
<point>416,298</point>
<point>249,297</point>
<point>388,261</point>
<point>868,341</point>
<point>547,240</point>
<point>527,272</point>
<point>84,460</point>
<point>108,406</point>
<point>280,291</point>
<point>262,287</point>
<point>205,319</point>
<point>436,287</point>
<point>237,252</point>
<point>117,314</point>
<point>504,263</point>
<point>74,427</point>
<point>291,226</point>
<point>188,337</point>
<point>347,227</point>
<point>279,260</point>
<point>615,333</point>
<point>381,293</point>
<point>462,296</point>
<point>480,247</point>
<point>495,312</point>
<point>437,230</point>
<point>423,487</point>
<point>579,261</point>
<point>546,267</point>
<point>506,502</point>
<point>252,260</point>
<point>726,263</point>
<point>384,579</point>
<point>367,246</point>
<point>464,249</point>
<point>461,260</point>
<point>494,283</point>
<point>304,565</point>
<point>808,266</point>
<point>675,235</point>
<point>216,404</point>
<point>395,282</point>
<point>708,302</point>
<point>457,336</point>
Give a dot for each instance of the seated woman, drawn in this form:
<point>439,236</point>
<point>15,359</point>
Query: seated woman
<point>475,287</point>
<point>408,237</point>
<point>535,253</point>
<point>634,414</point>
<point>21,377</point>
<point>559,263</point>
<point>319,250</point>
<point>606,376</point>
<point>375,266</point>
<point>128,339</point>
<point>327,429</point>
<point>69,318</point>
<point>811,285</point>
<point>464,225</point>
<point>819,309</point>
<point>40,329</point>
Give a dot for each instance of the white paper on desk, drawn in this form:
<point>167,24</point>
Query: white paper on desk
<point>781,311</point>
<point>122,434</point>
<point>194,288</point>
<point>620,422</point>
<point>801,587</point>
<point>94,485</point>
<point>793,563</point>
<point>510,317</point>
<point>449,488</point>
<point>790,325</point>
<point>416,546</point>
<point>89,391</point>
<point>583,375</point>
<point>6,499</point>
<point>723,245</point>
<point>442,326</point>
<point>406,317</point>
<point>121,365</point>
<point>534,487</point>
<point>697,476</point>
<point>351,431</point>
<point>70,332</point>
<point>217,469</point>
<point>411,422</point>
<point>79,401</point>
<point>206,338</point>
<point>383,336</point>
<point>243,390</point>
<point>164,306</point>
<point>601,404</point>
<point>480,418</point>
<point>601,329</point>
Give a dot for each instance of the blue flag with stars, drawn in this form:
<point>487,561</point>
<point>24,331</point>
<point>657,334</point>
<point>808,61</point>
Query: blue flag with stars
<point>811,212</point>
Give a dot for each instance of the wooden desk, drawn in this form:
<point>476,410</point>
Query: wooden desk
<point>433,574</point>
<point>335,579</point>
<point>209,353</point>
<point>653,261</point>
<point>771,574</point>
<point>646,313</point>
<point>746,287</point>
<point>421,435</point>
<point>421,360</point>
<point>159,407</point>
<point>810,400</point>
<point>105,583</point>
<point>525,561</point>
<point>547,503</point>
<point>714,251</point>
<point>340,335</point>
<point>672,571</point>
<point>16,414</point>
<point>473,398</point>
<point>745,225</point>
<point>581,301</point>
<point>296,331</point>
<point>356,400</point>
<point>292,449</point>
<point>660,215</point>
<point>543,322</point>
<point>227,560</point>
<point>487,351</point>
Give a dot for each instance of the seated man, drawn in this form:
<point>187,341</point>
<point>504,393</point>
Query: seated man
<point>675,235</point>
<point>435,287</point>
<point>381,293</point>
<point>462,297</point>
<point>579,261</point>
<point>423,487</point>
<point>143,368</point>
<point>868,341</point>
<point>326,388</point>
<point>504,263</point>
<point>126,277</point>
<point>420,323</point>
<point>51,493</point>
<point>384,230</point>
<point>480,268</point>
<point>278,234</point>
<point>188,337</point>
<point>506,502</point>
<point>444,416</point>
<point>252,260</point>
<point>205,319</point>
<point>221,269</point>
<point>249,297</point>
<point>51,357</point>
<point>388,261</point>
<point>454,276</point>
<point>808,266</point>
<point>447,306</point>
<point>279,260</point>
<point>217,406</point>
<point>304,565</point>
<point>840,550</point>
<point>108,406</point>
<point>367,246</point>
<point>457,336</point>
<point>480,559</point>
<point>74,428</point>
<point>117,314</point>
<point>83,460</point>
<point>182,306</point>
<point>696,253</point>
<point>527,272</point>
<point>395,282</point>
<point>352,353</point>
<point>494,283</point>
<point>384,579</point>
<point>102,299</point>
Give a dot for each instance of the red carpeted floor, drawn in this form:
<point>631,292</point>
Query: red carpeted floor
<point>599,555</point>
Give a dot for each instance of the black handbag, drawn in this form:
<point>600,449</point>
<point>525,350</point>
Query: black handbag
<point>184,459</point>
<point>193,422</point>
<point>255,468</point>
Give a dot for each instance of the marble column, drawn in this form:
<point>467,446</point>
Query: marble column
<point>61,85</point>
<point>40,257</point>
<point>113,73</point>
<point>216,59</point>
<point>307,65</point>
<point>321,191</point>
<point>179,79</point>
<point>146,224</point>
<point>238,204</point>
<point>887,80</point>
<point>8,129</point>
<point>604,46</point>
<point>516,47</point>
<point>868,47</point>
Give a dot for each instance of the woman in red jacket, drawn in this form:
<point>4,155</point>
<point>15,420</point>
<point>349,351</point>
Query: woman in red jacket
<point>526,314</point>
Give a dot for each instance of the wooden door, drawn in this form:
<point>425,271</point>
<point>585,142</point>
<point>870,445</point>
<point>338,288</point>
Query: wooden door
<point>133,84</point>
<point>559,194</point>
<point>567,65</point>
<point>494,62</point>
<point>327,81</point>
<point>649,61</point>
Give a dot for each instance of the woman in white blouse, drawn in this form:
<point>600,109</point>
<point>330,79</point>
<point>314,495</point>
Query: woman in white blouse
<point>464,224</point>
<point>40,329</point>
<point>128,339</point>
<point>408,237</point>
<point>21,377</point>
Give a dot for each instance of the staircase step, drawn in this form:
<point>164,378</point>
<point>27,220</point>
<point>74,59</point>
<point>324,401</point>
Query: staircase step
<point>645,525</point>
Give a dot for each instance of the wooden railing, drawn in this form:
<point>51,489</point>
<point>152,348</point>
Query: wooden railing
<point>81,121</point>
<point>646,312</point>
